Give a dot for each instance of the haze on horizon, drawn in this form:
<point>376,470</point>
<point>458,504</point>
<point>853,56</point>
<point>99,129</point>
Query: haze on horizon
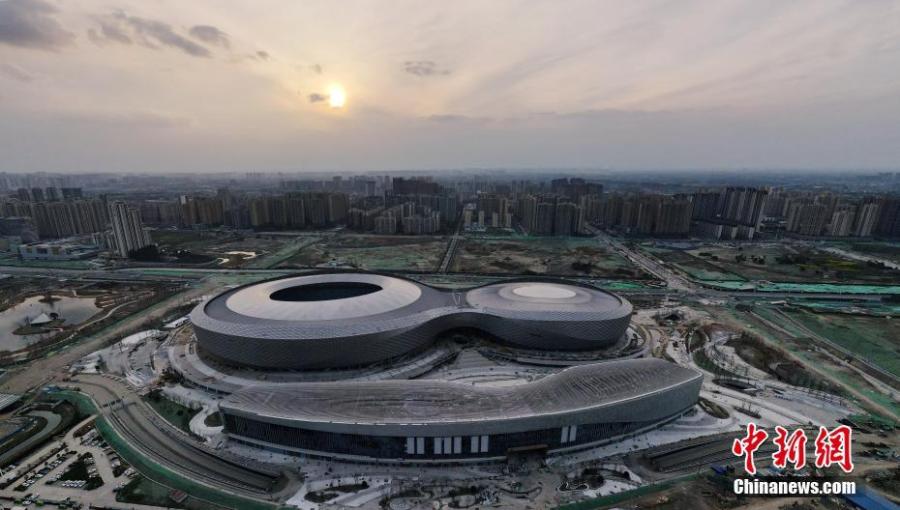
<point>214,86</point>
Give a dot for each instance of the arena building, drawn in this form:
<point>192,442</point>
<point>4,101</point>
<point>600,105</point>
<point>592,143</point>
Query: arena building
<point>338,320</point>
<point>433,421</point>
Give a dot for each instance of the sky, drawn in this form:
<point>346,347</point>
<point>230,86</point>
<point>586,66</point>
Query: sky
<point>226,85</point>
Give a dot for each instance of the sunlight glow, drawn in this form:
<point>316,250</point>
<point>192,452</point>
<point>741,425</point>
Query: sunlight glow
<point>337,97</point>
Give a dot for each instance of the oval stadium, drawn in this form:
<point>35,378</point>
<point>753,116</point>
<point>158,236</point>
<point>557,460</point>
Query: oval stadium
<point>338,320</point>
<point>433,421</point>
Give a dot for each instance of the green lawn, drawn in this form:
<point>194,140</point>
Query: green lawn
<point>874,339</point>
<point>810,358</point>
<point>173,412</point>
<point>143,491</point>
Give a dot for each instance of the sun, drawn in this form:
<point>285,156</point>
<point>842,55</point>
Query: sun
<point>337,97</point>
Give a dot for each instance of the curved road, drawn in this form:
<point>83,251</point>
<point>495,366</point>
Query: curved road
<point>138,424</point>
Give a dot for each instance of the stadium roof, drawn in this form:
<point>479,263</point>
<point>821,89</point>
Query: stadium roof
<point>424,401</point>
<point>553,300</point>
<point>323,297</point>
<point>317,305</point>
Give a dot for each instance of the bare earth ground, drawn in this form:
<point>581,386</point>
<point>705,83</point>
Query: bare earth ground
<point>543,256</point>
<point>777,262</point>
<point>372,252</point>
<point>227,250</point>
<point>42,371</point>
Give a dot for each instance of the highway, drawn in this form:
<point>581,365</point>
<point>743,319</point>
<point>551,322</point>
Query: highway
<point>139,425</point>
<point>675,281</point>
<point>451,249</point>
<point>125,275</point>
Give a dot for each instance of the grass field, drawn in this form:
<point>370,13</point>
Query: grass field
<point>181,238</point>
<point>776,262</point>
<point>874,339</point>
<point>173,412</point>
<point>801,349</point>
<point>696,268</point>
<point>542,256</point>
<point>143,491</point>
<point>884,250</point>
<point>371,252</point>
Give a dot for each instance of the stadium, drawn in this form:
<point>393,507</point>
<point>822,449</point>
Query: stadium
<point>338,320</point>
<point>427,421</point>
<point>347,365</point>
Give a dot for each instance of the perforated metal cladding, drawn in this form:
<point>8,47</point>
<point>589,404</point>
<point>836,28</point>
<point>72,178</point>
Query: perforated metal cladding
<point>586,318</point>
<point>619,391</point>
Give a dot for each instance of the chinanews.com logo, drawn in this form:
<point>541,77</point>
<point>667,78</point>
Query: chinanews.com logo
<point>832,448</point>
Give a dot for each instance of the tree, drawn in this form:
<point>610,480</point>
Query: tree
<point>149,253</point>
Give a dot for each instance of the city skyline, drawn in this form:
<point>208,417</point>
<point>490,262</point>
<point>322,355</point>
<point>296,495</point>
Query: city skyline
<point>134,87</point>
<point>409,255</point>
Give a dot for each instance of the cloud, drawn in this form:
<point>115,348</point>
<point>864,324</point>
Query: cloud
<point>16,73</point>
<point>261,56</point>
<point>124,29</point>
<point>163,33</point>
<point>424,68</point>
<point>451,118</point>
<point>109,32</point>
<point>132,119</point>
<point>317,98</point>
<point>31,24</point>
<point>210,35</point>
<point>316,68</point>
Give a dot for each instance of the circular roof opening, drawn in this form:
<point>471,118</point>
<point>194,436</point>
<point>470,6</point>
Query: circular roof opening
<point>544,291</point>
<point>325,291</point>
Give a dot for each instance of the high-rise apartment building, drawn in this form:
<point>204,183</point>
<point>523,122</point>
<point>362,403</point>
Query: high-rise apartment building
<point>866,216</point>
<point>889,218</point>
<point>127,228</point>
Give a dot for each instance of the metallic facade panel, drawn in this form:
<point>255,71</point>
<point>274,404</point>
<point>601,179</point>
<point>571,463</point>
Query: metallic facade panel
<point>599,401</point>
<point>245,326</point>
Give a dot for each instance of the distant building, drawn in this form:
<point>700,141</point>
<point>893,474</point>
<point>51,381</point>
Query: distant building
<point>549,214</point>
<point>415,186</point>
<point>128,230</point>
<point>866,216</point>
<point>734,212</point>
<point>59,219</point>
<point>841,224</point>
<point>57,251</point>
<point>20,227</point>
<point>807,219</point>
<point>889,218</point>
<point>386,224</point>
<point>673,218</point>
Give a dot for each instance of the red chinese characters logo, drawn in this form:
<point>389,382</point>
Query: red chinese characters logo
<point>748,445</point>
<point>791,448</point>
<point>832,447</point>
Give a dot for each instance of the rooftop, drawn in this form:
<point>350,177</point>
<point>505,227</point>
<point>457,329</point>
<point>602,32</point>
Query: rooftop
<point>422,401</point>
